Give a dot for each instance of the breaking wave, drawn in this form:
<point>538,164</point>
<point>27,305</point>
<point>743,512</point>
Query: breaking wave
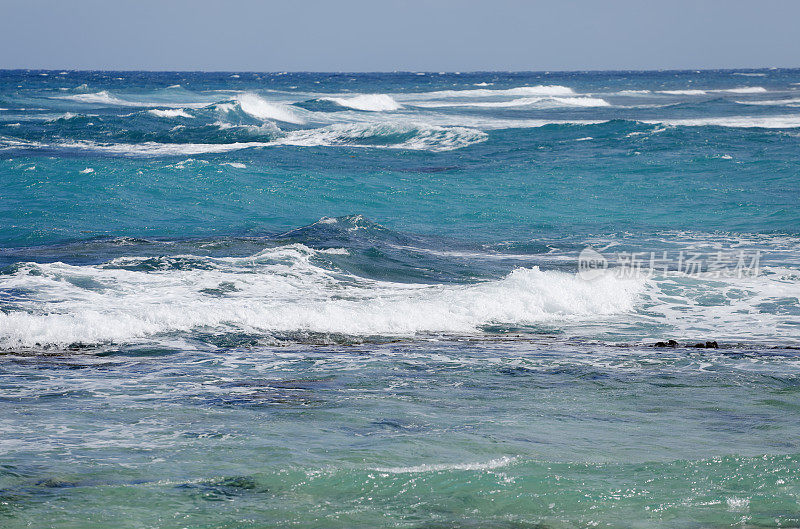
<point>262,109</point>
<point>279,290</point>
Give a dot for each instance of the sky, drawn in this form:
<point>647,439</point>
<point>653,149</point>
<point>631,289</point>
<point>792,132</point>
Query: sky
<point>389,35</point>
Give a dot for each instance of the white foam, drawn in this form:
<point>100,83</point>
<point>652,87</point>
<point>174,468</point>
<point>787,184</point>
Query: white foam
<point>171,113</point>
<point>150,148</point>
<point>444,467</point>
<point>723,308</point>
<point>282,290</point>
<point>772,102</point>
<point>88,170</point>
<point>738,504</point>
<point>235,165</point>
<point>368,102</point>
<point>67,116</point>
<point>745,90</point>
<point>765,122</point>
<point>260,108</point>
<point>688,92</point>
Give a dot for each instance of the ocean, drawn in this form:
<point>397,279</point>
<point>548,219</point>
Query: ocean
<point>411,300</point>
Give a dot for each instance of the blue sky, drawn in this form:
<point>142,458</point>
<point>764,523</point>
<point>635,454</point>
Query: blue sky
<point>387,35</point>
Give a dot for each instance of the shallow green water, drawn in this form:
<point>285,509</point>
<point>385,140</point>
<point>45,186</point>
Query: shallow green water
<point>405,435</point>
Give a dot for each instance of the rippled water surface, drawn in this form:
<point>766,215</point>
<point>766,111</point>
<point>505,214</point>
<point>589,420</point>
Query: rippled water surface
<point>359,300</point>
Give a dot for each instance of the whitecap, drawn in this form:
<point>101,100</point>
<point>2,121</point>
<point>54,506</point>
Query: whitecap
<point>170,113</point>
<point>745,90</point>
<point>687,92</point>
<point>368,102</point>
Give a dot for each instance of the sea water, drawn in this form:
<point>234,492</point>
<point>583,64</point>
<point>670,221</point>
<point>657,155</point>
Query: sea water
<point>415,299</point>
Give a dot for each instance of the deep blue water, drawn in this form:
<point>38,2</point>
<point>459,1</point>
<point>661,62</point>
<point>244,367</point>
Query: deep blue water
<point>360,300</point>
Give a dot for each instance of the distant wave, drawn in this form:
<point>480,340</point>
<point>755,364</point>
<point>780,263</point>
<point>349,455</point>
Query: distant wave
<point>540,90</point>
<point>106,98</point>
<point>745,90</point>
<point>368,102</point>
<point>700,92</point>
<point>521,102</point>
<point>633,92</point>
<point>102,97</point>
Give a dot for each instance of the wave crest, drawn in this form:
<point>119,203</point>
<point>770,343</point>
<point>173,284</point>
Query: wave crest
<point>280,290</point>
<point>262,109</point>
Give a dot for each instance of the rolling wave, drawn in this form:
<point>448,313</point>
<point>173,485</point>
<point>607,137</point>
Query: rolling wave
<point>311,281</point>
<point>287,289</point>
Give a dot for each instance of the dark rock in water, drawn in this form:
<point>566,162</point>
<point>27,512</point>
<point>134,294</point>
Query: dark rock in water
<point>698,345</point>
<point>707,345</point>
<point>668,343</point>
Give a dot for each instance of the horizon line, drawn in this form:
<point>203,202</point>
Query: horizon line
<point>435,72</point>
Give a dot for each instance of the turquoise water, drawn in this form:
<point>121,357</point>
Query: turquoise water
<point>360,300</point>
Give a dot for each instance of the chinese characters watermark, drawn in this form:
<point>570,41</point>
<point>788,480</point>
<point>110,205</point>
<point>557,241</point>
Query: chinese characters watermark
<point>593,264</point>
